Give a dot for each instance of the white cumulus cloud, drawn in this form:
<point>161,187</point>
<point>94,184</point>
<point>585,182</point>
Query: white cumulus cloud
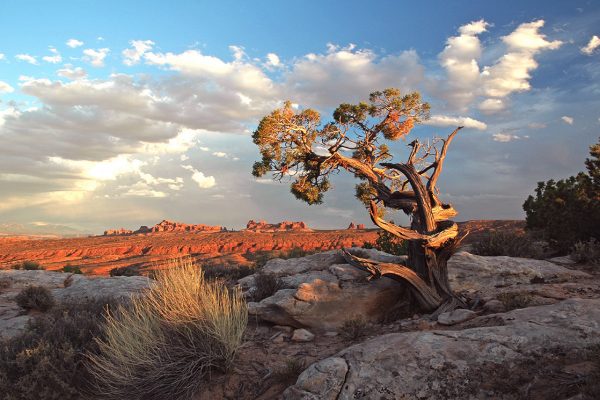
<point>72,73</point>
<point>203,181</point>
<point>591,46</point>
<point>133,55</point>
<point>55,58</point>
<point>27,58</point>
<point>444,120</point>
<point>5,87</point>
<point>504,137</point>
<point>95,57</point>
<point>567,120</point>
<point>73,43</point>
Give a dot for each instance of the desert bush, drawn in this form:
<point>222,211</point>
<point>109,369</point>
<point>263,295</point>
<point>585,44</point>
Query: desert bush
<point>72,269</point>
<point>168,340</point>
<point>35,298</point>
<point>46,361</point>
<point>288,374</point>
<point>514,300</point>
<point>124,271</point>
<point>227,272</point>
<point>568,211</point>
<point>508,244</point>
<point>260,258</point>
<point>28,265</point>
<point>265,285</point>
<point>353,328</point>
<point>586,252</point>
<point>388,243</point>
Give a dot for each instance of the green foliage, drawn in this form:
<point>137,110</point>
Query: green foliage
<point>37,298</point>
<point>568,211</point>
<point>298,145</point>
<point>72,269</point>
<point>29,266</point>
<point>388,243</point>
<point>47,360</point>
<point>508,244</point>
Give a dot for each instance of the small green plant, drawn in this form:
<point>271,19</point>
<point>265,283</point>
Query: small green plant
<point>514,300</point>
<point>124,271</point>
<point>31,266</point>
<point>586,252</point>
<point>72,269</point>
<point>289,373</point>
<point>388,243</point>
<point>35,298</point>
<point>353,328</point>
<point>508,244</point>
<point>265,285</point>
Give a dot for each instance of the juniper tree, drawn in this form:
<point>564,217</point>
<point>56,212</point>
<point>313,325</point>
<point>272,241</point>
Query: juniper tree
<point>297,144</point>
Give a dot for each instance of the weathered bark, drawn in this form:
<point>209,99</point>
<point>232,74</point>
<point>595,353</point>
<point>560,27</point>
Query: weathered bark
<point>432,237</point>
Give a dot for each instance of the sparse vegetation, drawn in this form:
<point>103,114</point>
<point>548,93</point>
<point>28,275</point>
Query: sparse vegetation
<point>288,374</point>
<point>353,328</point>
<point>72,269</point>
<point>124,271</point>
<point>260,258</point>
<point>388,243</point>
<point>508,244</point>
<point>4,284</point>
<point>28,265</point>
<point>162,346</point>
<point>568,211</point>
<point>46,361</point>
<point>265,285</point>
<point>227,272</point>
<point>587,252</point>
<point>38,298</point>
<point>514,300</point>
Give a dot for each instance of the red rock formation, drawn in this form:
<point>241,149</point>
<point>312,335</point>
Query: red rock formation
<point>166,226</point>
<point>118,232</point>
<point>354,226</point>
<point>263,226</point>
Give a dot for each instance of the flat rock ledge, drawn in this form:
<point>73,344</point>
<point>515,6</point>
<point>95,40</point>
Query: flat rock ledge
<point>444,364</point>
<point>78,289</point>
<point>322,291</point>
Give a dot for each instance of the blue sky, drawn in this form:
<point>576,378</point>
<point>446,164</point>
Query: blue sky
<point>120,113</point>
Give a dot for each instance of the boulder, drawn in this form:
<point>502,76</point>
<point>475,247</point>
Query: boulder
<point>302,335</point>
<point>322,292</point>
<point>450,364</point>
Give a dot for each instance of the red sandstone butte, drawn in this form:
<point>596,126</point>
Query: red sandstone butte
<point>166,226</point>
<point>263,226</point>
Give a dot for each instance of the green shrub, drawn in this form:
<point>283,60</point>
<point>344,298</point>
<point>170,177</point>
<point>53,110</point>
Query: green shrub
<point>47,360</point>
<point>35,298</point>
<point>168,340</point>
<point>227,272</point>
<point>586,252</point>
<point>568,211</point>
<point>265,285</point>
<point>124,271</point>
<point>388,243</point>
<point>508,244</point>
<point>30,266</point>
<point>72,269</point>
<point>353,328</point>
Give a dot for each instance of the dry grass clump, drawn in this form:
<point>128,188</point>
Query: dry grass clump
<point>168,340</point>
<point>353,328</point>
<point>37,298</point>
<point>289,373</point>
<point>514,300</point>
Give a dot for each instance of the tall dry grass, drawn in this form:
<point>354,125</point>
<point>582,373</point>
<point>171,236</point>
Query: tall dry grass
<point>163,343</point>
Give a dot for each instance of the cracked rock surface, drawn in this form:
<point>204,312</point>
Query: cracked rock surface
<point>438,364</point>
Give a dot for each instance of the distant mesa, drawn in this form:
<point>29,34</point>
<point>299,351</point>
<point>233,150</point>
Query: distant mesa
<point>166,226</point>
<point>355,227</point>
<point>263,226</point>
